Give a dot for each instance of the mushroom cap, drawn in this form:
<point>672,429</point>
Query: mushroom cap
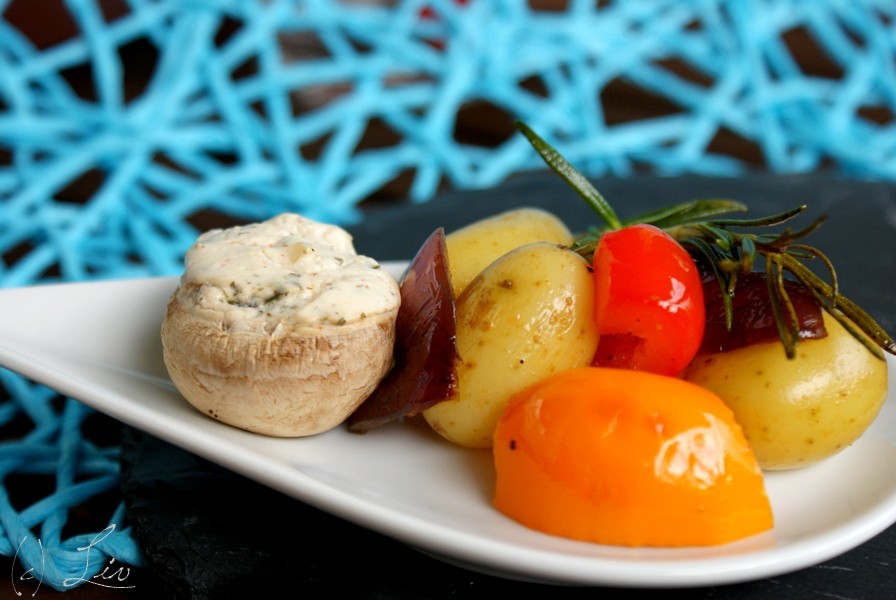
<point>297,380</point>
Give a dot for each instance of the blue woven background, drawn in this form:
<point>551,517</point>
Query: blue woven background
<point>151,115</point>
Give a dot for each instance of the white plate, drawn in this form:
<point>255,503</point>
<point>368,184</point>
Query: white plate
<point>99,342</point>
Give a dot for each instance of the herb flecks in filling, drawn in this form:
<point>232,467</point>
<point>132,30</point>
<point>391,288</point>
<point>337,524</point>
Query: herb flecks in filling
<point>288,270</point>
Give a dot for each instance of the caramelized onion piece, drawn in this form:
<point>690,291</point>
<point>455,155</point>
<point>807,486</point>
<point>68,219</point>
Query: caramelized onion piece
<point>754,320</point>
<point>425,368</point>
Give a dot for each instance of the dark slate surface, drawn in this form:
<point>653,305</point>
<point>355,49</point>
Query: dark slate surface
<point>208,533</point>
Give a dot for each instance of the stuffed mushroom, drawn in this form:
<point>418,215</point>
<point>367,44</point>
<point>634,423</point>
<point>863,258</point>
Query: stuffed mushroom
<point>279,327</point>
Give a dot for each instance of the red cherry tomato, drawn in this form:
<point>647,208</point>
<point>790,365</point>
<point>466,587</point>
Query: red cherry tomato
<point>648,301</point>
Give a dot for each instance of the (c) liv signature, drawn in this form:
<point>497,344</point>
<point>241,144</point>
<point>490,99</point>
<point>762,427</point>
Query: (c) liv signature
<point>111,576</point>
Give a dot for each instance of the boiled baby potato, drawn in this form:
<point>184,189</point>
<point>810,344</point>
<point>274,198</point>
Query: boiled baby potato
<point>798,412</point>
<point>474,247</point>
<point>527,315</point>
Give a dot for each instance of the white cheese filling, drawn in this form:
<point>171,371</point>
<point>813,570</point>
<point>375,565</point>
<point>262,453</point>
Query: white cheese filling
<point>288,270</point>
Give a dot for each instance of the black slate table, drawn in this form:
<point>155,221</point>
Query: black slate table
<point>208,533</point>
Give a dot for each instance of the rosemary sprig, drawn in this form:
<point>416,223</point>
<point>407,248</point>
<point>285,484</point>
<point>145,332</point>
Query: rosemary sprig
<point>731,246</point>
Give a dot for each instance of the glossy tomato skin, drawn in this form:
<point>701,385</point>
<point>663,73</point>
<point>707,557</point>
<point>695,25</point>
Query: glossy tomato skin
<point>614,456</point>
<point>649,306</point>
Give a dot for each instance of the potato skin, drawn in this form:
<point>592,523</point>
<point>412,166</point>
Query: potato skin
<point>798,412</point>
<point>472,248</point>
<point>527,315</point>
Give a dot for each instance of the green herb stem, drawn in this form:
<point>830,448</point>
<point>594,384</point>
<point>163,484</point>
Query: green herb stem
<point>730,246</point>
